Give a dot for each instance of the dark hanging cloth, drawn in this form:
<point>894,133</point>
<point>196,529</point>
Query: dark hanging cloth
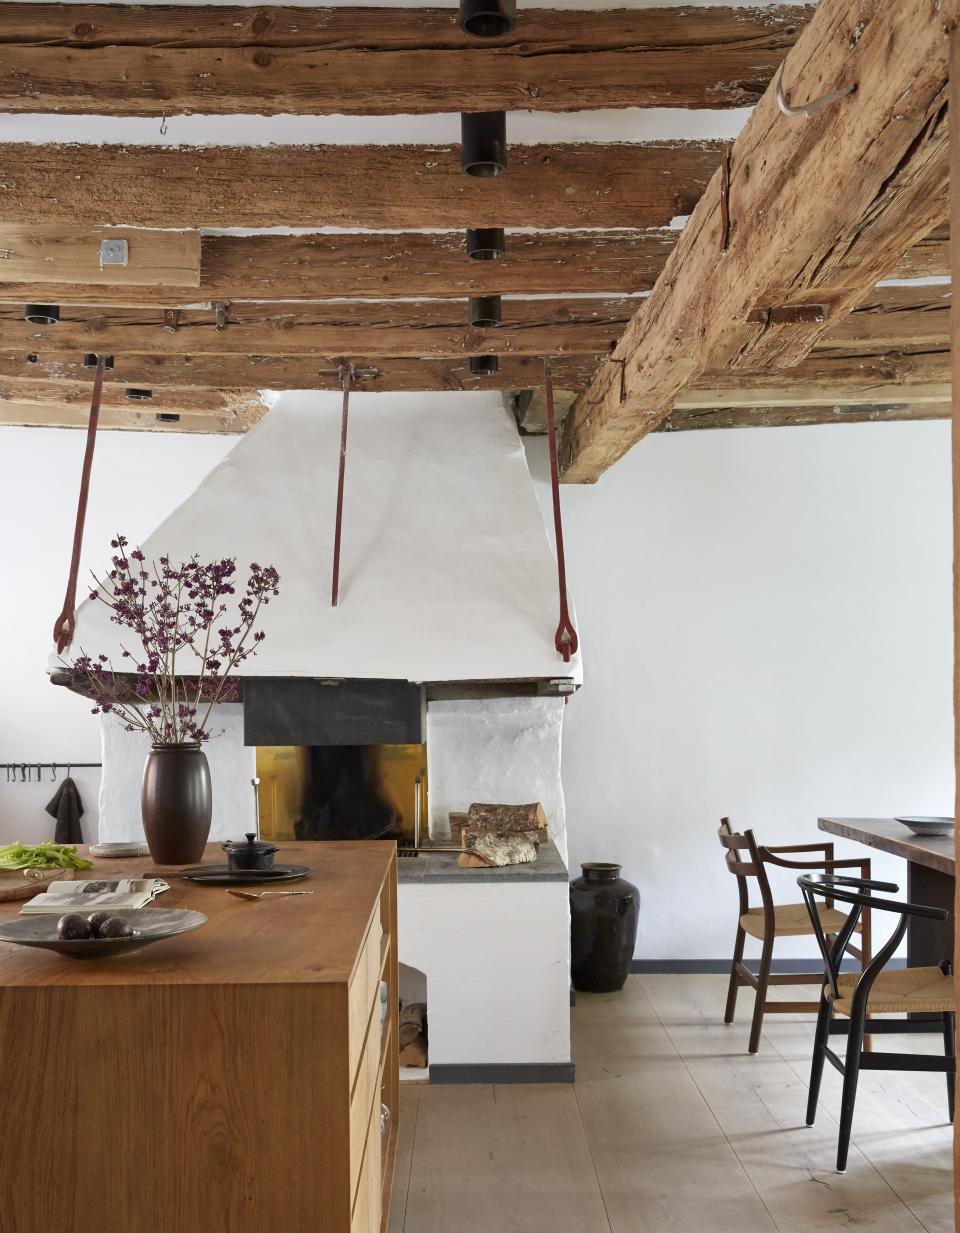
<point>67,808</point>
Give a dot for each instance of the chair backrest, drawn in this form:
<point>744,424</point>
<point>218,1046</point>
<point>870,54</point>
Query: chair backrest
<point>743,860</point>
<point>857,893</point>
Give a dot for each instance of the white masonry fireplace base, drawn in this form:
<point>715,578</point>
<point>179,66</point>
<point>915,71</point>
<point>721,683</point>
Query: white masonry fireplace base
<point>492,944</point>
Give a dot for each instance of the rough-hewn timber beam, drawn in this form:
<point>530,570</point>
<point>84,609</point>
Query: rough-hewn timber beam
<point>568,185</point>
<point>828,377</point>
<point>796,417</point>
<point>325,267</point>
<point>382,328</point>
<point>766,238</point>
<point>54,415</point>
<point>135,61</point>
<point>162,400</point>
<point>894,318</point>
<point>216,373</point>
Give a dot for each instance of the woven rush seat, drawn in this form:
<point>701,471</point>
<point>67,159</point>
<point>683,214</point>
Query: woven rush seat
<point>791,920</point>
<point>899,991</point>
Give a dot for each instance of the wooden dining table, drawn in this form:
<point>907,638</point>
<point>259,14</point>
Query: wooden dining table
<point>931,878</point>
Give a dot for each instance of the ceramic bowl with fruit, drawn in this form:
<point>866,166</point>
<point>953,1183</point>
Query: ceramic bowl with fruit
<point>101,934</point>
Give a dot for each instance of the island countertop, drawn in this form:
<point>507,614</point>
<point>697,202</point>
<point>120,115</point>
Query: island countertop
<point>273,941</point>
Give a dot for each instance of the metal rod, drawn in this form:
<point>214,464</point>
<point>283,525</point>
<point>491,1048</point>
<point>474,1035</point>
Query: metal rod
<point>346,372</point>
<point>50,765</point>
<point>566,640</point>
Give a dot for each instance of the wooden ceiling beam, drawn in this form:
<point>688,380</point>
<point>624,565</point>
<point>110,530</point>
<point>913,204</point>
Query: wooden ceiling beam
<point>827,377</point>
<point>217,373</point>
<point>766,238</point>
<point>569,185</point>
<point>63,415</point>
<point>314,268</point>
<point>892,318</point>
<point>797,417</point>
<point>100,256</point>
<point>126,61</point>
<point>425,328</point>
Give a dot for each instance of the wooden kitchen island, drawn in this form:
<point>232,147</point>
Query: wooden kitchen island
<point>227,1081</point>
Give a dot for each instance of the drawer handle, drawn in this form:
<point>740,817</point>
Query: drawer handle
<point>384,1119</point>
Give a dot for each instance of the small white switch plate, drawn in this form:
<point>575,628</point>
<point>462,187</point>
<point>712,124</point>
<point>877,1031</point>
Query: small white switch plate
<point>113,252</point>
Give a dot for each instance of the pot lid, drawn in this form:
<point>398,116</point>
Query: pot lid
<point>252,844</point>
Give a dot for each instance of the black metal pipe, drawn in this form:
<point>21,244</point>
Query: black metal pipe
<point>486,311</point>
<point>487,19</point>
<point>42,314</point>
<point>484,365</point>
<point>485,243</point>
<point>484,143</point>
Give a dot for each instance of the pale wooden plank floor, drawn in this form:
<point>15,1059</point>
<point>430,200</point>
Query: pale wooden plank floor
<point>672,1127</point>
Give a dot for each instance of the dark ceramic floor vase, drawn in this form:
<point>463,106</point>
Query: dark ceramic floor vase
<point>176,801</point>
<point>604,911</point>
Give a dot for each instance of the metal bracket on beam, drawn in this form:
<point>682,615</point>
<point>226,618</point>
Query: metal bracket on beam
<point>220,307</point>
<point>809,110</point>
<point>113,252</point>
<point>790,314</point>
<point>171,320</point>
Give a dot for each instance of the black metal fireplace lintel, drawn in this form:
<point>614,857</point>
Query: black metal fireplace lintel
<point>295,711</point>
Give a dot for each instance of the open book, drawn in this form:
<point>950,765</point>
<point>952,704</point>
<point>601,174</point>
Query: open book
<point>94,894</point>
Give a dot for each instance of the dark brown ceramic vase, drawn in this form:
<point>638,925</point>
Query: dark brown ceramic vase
<point>177,803</point>
<point>604,912</point>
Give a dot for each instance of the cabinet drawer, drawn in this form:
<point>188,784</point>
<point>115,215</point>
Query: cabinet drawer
<point>366,1094</point>
<point>367,1209</point>
<point>364,992</point>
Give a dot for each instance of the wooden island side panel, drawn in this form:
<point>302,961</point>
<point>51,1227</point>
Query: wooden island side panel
<point>178,1091</point>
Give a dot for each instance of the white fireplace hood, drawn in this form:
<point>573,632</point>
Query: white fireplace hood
<point>447,574</point>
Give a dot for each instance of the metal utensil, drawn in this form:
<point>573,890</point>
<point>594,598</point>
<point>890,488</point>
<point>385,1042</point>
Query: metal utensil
<point>242,894</point>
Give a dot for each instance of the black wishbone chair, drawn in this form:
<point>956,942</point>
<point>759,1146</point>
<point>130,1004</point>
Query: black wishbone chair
<point>874,991</point>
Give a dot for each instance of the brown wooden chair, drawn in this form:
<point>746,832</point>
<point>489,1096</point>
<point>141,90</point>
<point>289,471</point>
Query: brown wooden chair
<point>748,860</point>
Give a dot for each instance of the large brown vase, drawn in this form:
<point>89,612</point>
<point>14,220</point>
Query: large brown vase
<point>177,803</point>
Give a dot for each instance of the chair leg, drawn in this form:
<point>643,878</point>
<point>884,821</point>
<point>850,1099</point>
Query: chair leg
<point>734,977</point>
<point>851,1075</point>
<point>820,1039</point>
<point>763,977</point>
<point>950,1050</point>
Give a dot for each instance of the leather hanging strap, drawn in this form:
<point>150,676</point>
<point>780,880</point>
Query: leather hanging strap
<point>65,624</point>
<point>566,640</point>
<point>346,372</point>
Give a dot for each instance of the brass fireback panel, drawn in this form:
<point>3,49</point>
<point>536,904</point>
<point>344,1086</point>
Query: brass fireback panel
<point>283,771</point>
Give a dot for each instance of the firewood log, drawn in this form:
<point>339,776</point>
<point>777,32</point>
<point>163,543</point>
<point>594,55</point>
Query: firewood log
<point>505,819</point>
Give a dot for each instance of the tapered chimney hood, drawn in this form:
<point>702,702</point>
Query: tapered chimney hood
<point>447,576</point>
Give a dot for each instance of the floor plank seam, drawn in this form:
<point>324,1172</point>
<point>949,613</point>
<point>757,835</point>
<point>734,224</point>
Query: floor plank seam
<point>413,1148</point>
<point>593,1162</point>
<point>709,1107</point>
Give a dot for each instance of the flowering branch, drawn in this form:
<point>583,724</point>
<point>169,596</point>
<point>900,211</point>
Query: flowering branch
<point>172,609</point>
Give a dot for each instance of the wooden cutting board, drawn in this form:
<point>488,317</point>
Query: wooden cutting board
<point>13,884</point>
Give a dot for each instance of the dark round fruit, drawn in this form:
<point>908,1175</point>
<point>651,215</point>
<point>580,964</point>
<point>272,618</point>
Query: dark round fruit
<point>73,927</point>
<point>115,927</point>
<point>96,921</point>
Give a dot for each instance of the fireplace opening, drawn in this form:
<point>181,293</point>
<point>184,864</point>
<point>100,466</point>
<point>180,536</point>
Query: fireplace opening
<point>342,791</point>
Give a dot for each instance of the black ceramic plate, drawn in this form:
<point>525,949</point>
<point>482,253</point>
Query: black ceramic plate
<point>149,925</point>
<point>223,875</point>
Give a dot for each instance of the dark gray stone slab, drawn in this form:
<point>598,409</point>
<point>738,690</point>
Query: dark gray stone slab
<point>442,867</point>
